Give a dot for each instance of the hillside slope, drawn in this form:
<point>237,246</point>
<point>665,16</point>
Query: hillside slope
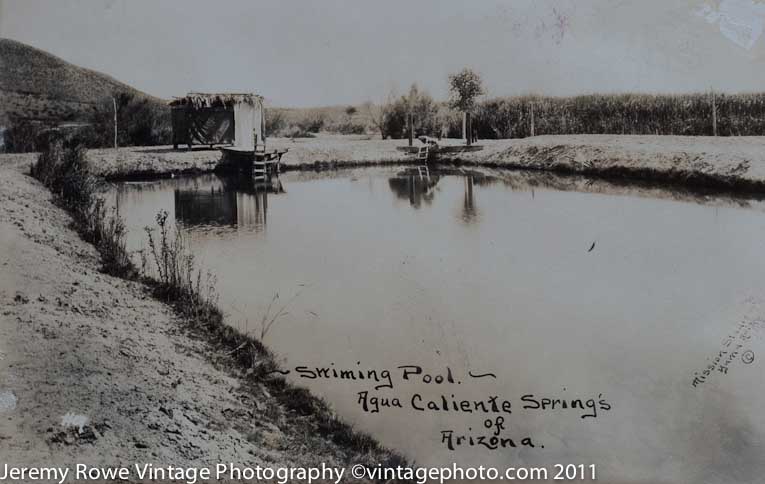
<point>37,85</point>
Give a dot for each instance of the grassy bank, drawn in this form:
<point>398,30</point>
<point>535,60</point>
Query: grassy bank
<point>168,269</point>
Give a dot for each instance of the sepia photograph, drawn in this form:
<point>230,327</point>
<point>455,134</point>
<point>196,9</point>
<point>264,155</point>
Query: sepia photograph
<point>355,241</point>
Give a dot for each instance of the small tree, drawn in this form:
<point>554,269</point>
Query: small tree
<point>276,121</point>
<point>464,87</point>
<point>411,101</point>
<point>424,110</point>
<point>140,121</point>
<point>23,136</point>
<point>413,114</point>
<point>377,114</point>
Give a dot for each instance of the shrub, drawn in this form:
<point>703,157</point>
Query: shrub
<point>297,132</point>
<point>65,171</point>
<point>140,122</point>
<point>511,117</point>
<point>276,122</point>
<point>347,127</point>
<point>108,233</point>
<point>311,124</point>
<point>23,136</point>
<point>178,280</point>
<point>424,113</point>
<point>449,122</point>
<point>685,114</point>
<point>394,123</point>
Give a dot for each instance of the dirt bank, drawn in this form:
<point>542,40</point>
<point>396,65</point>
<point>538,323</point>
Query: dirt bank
<point>146,162</point>
<point>728,163</point>
<point>731,163</point>
<point>93,370</point>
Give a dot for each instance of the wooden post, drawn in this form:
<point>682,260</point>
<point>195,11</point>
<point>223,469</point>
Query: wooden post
<point>532,119</point>
<point>464,124</point>
<point>411,128</point>
<point>262,126</point>
<point>469,123</point>
<point>714,114</point>
<point>114,102</point>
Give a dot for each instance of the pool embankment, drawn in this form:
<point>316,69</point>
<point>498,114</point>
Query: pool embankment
<point>149,382</point>
<point>724,163</point>
<point>730,164</point>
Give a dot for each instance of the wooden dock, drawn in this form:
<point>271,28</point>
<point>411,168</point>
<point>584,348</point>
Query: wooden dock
<point>427,152</point>
<point>445,150</point>
<point>260,163</point>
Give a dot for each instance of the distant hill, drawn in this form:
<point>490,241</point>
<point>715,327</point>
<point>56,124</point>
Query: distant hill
<point>36,85</point>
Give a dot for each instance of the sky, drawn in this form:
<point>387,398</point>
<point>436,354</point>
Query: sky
<point>330,52</point>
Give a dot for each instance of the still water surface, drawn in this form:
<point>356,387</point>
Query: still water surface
<point>616,298</point>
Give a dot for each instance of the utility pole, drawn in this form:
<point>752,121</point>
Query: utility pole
<point>114,102</point>
<point>411,128</point>
<point>714,114</point>
<point>532,119</point>
<point>469,127</point>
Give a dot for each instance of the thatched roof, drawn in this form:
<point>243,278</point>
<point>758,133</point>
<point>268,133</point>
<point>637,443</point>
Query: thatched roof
<point>208,100</point>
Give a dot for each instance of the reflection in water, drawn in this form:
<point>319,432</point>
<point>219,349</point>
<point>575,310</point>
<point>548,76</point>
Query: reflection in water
<point>418,189</point>
<point>213,206</point>
<point>469,208</point>
<point>247,184</point>
<point>470,213</point>
<point>237,201</point>
<point>515,292</point>
<point>414,188</point>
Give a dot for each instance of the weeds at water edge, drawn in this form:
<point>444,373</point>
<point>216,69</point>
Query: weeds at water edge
<point>176,281</point>
<point>65,171</point>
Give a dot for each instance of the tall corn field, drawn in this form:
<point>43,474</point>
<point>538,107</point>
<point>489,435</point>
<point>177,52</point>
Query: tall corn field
<point>686,114</point>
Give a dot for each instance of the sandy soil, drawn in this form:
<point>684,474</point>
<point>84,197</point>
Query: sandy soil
<point>85,348</point>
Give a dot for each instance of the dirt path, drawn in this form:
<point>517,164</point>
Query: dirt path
<point>81,347</point>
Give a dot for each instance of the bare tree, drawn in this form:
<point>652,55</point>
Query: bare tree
<point>377,114</point>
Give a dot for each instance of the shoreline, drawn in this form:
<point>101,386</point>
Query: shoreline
<point>187,391</point>
<point>95,361</point>
<point>705,163</point>
<point>717,163</point>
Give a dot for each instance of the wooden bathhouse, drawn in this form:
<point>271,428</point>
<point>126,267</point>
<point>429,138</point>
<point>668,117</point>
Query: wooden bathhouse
<point>236,119</point>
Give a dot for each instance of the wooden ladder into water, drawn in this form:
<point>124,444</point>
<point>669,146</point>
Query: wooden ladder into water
<point>423,154</point>
<point>259,169</point>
